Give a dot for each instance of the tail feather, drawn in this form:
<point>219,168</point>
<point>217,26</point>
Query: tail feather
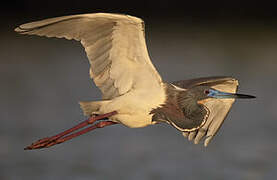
<point>90,107</point>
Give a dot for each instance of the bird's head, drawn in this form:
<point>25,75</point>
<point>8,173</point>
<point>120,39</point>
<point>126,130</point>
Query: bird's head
<point>193,105</point>
<point>201,106</point>
<point>200,93</point>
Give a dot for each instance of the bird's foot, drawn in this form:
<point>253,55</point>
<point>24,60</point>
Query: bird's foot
<point>68,134</point>
<point>41,143</point>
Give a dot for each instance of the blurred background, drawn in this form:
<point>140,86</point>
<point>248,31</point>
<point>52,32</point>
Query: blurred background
<point>43,79</point>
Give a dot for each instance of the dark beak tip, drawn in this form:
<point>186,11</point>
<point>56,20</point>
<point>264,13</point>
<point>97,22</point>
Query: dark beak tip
<point>244,96</point>
<point>251,97</point>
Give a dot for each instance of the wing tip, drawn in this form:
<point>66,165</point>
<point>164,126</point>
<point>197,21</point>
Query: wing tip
<point>19,29</point>
<point>196,140</point>
<point>23,28</point>
<point>207,141</point>
<point>40,23</point>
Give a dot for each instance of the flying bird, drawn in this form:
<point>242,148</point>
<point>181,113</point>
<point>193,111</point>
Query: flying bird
<point>133,92</point>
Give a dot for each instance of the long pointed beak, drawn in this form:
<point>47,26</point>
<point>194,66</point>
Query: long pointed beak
<point>225,95</point>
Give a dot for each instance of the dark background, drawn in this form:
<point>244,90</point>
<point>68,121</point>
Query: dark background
<point>43,79</point>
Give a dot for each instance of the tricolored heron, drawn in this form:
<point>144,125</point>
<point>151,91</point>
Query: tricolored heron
<point>133,93</point>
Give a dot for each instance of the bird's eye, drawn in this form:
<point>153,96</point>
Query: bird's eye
<point>206,91</point>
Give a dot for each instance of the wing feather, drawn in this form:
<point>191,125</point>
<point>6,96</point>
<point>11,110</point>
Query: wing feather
<point>115,46</point>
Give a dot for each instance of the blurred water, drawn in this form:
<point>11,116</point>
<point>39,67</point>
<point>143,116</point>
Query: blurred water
<point>43,79</point>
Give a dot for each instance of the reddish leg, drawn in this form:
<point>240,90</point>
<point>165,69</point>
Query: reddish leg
<point>66,138</point>
<point>57,139</point>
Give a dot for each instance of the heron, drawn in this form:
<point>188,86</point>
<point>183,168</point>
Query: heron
<point>133,92</point>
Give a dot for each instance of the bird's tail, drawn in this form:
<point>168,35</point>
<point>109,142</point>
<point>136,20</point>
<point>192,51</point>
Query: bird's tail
<point>90,107</point>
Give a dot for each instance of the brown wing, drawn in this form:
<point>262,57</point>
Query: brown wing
<point>219,108</point>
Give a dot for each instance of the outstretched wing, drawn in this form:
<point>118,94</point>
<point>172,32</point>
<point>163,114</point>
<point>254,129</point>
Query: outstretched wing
<point>115,46</point>
<point>219,108</point>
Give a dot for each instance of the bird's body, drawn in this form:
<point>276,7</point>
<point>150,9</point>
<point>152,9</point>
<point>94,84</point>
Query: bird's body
<point>132,107</point>
<point>133,93</point>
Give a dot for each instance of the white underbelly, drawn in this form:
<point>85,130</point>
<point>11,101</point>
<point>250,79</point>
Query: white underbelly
<point>135,106</point>
<point>134,120</point>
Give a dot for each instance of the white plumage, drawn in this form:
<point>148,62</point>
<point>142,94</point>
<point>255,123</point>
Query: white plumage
<point>120,64</point>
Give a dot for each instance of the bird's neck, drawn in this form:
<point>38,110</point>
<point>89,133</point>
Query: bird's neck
<point>170,107</point>
<point>179,104</point>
